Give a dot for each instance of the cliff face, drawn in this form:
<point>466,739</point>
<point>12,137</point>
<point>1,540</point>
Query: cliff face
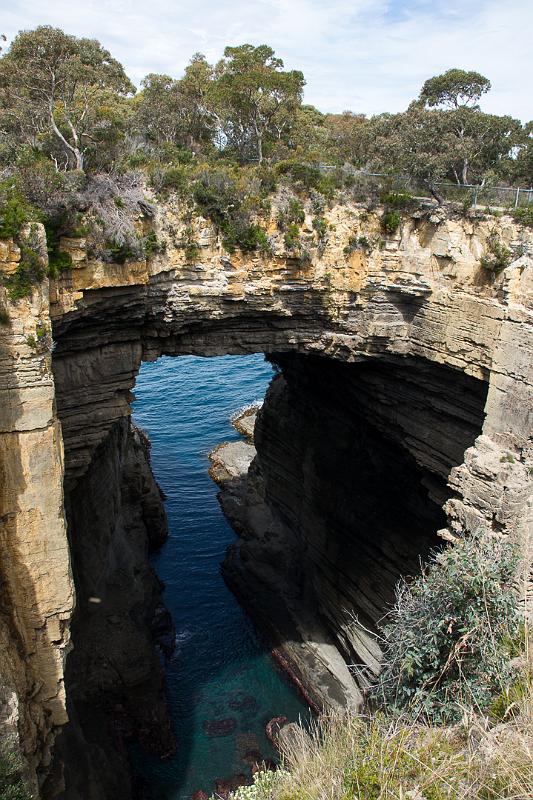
<point>401,355</point>
<point>36,588</point>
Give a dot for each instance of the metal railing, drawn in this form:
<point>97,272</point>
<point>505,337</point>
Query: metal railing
<point>487,195</point>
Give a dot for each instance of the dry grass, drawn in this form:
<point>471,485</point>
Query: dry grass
<point>358,758</point>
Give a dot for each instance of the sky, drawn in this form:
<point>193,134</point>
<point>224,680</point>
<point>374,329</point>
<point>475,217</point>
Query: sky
<point>368,56</point>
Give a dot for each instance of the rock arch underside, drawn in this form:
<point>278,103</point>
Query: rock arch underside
<point>400,414</point>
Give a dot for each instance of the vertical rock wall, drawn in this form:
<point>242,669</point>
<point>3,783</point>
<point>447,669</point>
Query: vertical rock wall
<point>36,587</point>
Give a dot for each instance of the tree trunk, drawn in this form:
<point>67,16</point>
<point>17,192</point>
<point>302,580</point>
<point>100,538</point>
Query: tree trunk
<point>75,151</point>
<point>465,172</point>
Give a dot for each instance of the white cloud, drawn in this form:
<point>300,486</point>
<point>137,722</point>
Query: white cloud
<point>366,55</point>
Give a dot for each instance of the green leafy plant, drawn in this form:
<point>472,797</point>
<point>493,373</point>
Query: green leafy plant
<point>30,272</point>
<point>321,227</point>
<point>524,216</point>
<point>120,252</point>
<point>391,221</point>
<point>292,237</point>
<point>497,257</point>
<point>293,213</point>
<point>11,784</point>
<point>15,211</point>
<point>445,647</point>
<point>152,246</point>
<point>356,243</point>
<point>397,200</point>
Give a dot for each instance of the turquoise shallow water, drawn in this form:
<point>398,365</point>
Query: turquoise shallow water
<point>220,669</point>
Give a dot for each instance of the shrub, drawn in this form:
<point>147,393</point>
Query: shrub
<point>321,226</point>
<point>11,785</point>
<point>497,256</point>
<point>215,192</point>
<point>174,179</point>
<point>15,211</point>
<point>356,243</point>
<point>4,317</point>
<point>246,237</point>
<point>524,216</point>
<point>152,246</point>
<point>57,262</point>
<point>30,272</point>
<point>120,252</point>
<point>397,200</point>
<point>292,237</point>
<point>300,174</point>
<point>291,214</point>
<point>390,222</point>
<point>264,782</point>
<point>445,647</point>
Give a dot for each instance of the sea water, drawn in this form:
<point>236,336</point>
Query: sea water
<point>220,669</point>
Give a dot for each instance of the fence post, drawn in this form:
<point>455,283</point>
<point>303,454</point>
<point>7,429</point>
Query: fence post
<point>475,197</point>
<point>517,198</point>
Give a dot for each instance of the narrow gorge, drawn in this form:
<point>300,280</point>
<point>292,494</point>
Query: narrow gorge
<point>400,413</point>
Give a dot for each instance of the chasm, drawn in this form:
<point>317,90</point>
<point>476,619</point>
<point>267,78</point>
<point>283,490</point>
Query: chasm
<point>222,686</point>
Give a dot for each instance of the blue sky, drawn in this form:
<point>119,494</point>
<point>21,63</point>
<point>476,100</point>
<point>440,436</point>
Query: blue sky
<point>365,55</point>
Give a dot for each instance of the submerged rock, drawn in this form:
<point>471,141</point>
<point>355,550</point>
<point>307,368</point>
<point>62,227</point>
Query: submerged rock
<point>273,728</point>
<point>219,727</point>
<point>225,786</point>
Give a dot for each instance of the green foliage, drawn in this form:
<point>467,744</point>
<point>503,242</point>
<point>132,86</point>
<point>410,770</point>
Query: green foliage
<point>246,237</point>
<point>446,644</point>
<point>30,272</point>
<point>391,221</point>
<point>356,243</point>
<point>292,237</point>
<point>120,252</point>
<point>321,227</point>
<point>221,199</point>
<point>305,178</point>
<point>264,782</point>
<point>174,179</point>
<point>254,98</point>
<point>15,211</point>
<point>152,246</point>
<point>66,93</point>
<point>293,213</point>
<point>497,256</point>
<point>11,785</point>
<point>454,88</point>
<point>57,262</point>
<point>524,216</point>
<point>190,244</point>
<point>397,200</point>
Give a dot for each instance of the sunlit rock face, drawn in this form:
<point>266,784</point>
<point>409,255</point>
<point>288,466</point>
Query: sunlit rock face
<point>399,353</point>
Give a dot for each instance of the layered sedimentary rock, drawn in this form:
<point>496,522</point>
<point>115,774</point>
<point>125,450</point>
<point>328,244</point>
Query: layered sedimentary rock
<point>343,499</point>
<point>36,589</point>
<point>430,351</point>
<point>114,676</point>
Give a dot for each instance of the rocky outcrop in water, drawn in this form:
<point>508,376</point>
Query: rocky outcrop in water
<point>432,352</point>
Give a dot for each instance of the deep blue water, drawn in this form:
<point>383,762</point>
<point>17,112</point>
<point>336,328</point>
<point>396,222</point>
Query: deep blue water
<point>220,669</point>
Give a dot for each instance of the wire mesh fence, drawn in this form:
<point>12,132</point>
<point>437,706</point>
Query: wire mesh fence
<point>474,195</point>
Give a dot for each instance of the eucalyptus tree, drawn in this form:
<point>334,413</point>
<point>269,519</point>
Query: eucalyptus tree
<point>255,99</point>
<point>62,94</point>
<point>175,111</point>
<point>456,88</point>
